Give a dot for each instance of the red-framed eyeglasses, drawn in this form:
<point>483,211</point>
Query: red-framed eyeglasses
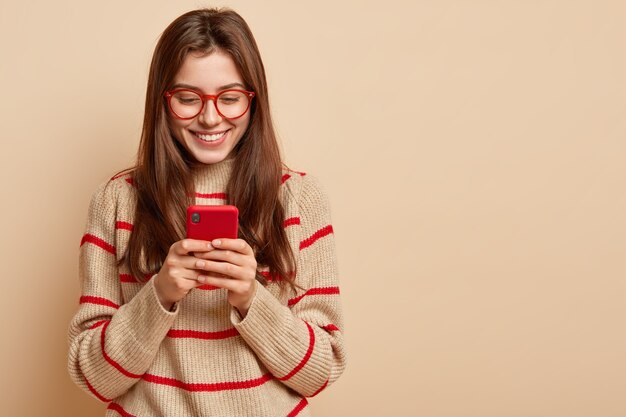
<point>186,104</point>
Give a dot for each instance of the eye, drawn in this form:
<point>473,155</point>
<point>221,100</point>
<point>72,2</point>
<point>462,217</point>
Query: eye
<point>187,98</point>
<point>229,98</point>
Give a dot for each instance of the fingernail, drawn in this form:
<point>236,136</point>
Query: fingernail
<point>217,242</point>
<point>209,245</point>
<point>200,264</point>
<point>201,278</point>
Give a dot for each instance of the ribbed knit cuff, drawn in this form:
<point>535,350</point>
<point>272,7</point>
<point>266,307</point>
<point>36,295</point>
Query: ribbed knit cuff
<point>280,339</point>
<point>263,309</point>
<point>146,319</point>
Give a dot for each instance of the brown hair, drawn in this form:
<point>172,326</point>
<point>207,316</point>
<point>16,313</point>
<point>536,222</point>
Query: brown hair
<point>163,171</point>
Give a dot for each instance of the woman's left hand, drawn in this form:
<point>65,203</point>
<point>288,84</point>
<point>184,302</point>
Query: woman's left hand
<point>231,265</point>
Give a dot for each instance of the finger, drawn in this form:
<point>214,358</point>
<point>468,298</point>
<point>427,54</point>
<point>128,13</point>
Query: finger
<point>214,274</point>
<point>192,278</point>
<point>185,246</point>
<point>204,267</point>
<point>229,270</point>
<point>200,277</point>
<point>185,263</point>
<point>184,274</point>
<point>237,245</point>
<point>230,256</point>
<point>201,255</point>
<point>226,283</point>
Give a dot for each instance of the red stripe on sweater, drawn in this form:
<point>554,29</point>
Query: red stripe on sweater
<point>127,278</point>
<point>314,291</point>
<point>109,359</point>
<point>303,403</point>
<point>123,225</point>
<point>90,299</point>
<point>98,324</point>
<point>120,410</point>
<point>207,287</point>
<point>130,181</point>
<point>330,328</point>
<point>324,231</point>
<point>218,196</point>
<point>285,177</point>
<point>194,334</point>
<point>269,277</point>
<point>273,277</point>
<point>96,393</point>
<point>291,221</point>
<point>320,390</point>
<point>307,356</point>
<point>200,387</point>
<point>89,238</point>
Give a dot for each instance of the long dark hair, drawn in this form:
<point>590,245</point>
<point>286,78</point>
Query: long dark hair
<point>162,174</point>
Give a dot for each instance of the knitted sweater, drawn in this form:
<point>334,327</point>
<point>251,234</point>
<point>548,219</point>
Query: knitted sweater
<point>203,359</point>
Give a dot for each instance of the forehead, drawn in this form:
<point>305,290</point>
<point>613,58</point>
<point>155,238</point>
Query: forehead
<point>208,72</point>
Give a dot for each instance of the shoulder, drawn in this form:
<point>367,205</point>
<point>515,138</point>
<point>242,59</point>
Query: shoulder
<point>124,178</point>
<point>305,190</point>
<point>289,174</point>
<point>116,191</point>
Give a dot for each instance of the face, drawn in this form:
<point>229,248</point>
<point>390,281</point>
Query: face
<point>209,137</point>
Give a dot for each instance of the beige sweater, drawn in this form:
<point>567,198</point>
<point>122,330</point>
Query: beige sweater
<point>203,359</point>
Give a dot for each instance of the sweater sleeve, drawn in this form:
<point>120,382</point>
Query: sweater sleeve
<point>111,343</point>
<point>302,343</point>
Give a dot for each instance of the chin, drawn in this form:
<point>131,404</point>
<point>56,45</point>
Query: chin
<point>213,158</point>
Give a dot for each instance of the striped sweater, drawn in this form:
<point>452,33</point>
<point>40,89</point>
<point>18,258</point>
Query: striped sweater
<point>203,359</point>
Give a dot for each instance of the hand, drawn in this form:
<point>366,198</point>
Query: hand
<point>230,265</point>
<point>179,274</point>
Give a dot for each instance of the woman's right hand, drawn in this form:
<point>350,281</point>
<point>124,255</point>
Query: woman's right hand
<point>180,270</point>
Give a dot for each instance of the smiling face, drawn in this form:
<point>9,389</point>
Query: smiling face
<point>209,137</point>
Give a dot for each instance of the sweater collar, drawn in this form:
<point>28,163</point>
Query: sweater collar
<point>213,178</point>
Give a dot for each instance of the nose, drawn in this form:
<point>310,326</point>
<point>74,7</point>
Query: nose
<point>209,114</point>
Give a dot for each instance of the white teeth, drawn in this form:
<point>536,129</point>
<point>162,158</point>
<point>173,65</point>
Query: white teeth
<point>210,138</point>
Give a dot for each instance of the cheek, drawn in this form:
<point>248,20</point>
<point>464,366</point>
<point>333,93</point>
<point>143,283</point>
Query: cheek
<point>242,127</point>
<point>244,123</point>
<point>177,127</point>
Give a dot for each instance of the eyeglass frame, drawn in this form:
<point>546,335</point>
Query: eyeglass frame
<point>206,97</point>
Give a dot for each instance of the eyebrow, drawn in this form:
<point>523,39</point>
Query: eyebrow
<point>193,87</point>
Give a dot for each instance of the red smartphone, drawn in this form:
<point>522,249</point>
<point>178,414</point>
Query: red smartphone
<point>212,222</point>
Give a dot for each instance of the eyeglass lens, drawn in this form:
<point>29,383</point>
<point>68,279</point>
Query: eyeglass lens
<point>230,103</point>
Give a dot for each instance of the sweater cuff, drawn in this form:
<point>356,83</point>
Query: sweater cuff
<point>269,327</point>
<point>283,342</point>
<point>146,318</point>
<point>264,311</point>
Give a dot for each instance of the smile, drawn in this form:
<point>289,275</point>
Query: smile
<point>210,137</point>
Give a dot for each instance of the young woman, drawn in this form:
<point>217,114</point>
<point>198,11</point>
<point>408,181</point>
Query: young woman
<point>169,326</point>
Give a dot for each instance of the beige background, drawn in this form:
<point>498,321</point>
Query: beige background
<point>474,156</point>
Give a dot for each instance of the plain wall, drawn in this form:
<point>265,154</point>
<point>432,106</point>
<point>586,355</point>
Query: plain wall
<point>474,154</point>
